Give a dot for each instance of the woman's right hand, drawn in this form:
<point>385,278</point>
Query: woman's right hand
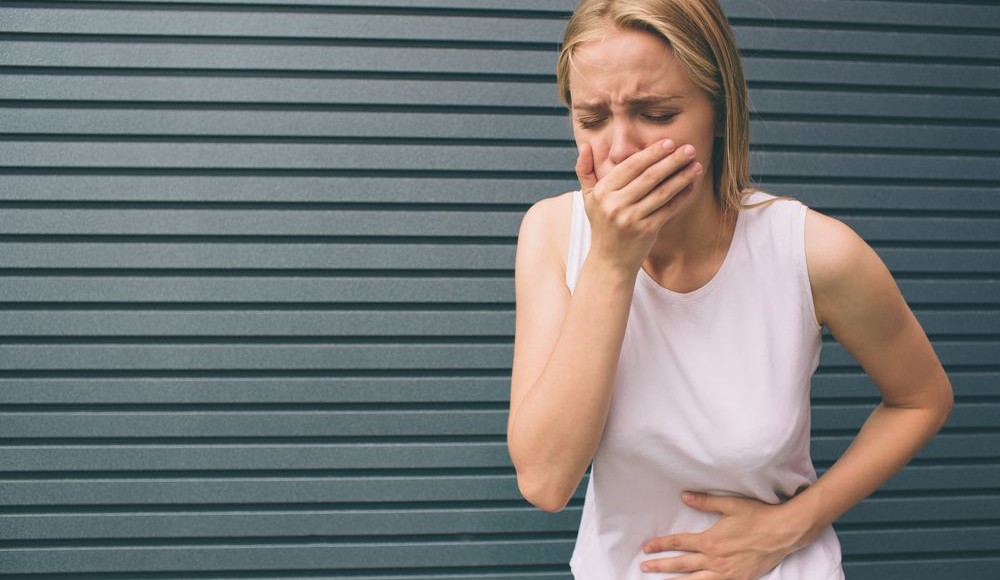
<point>628,206</point>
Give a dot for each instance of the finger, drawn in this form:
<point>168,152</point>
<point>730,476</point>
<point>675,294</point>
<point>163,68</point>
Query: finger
<point>675,542</point>
<point>677,564</point>
<point>625,172</point>
<point>585,168</point>
<point>667,190</point>
<point>653,176</point>
<point>704,502</point>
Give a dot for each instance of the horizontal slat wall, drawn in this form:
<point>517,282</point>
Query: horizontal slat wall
<point>255,275</point>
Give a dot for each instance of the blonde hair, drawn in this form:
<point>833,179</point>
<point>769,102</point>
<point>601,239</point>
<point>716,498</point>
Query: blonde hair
<point>699,35</point>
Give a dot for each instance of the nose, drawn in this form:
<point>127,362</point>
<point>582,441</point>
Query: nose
<point>625,141</point>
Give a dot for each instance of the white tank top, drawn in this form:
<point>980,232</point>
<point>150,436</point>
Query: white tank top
<point>711,394</point>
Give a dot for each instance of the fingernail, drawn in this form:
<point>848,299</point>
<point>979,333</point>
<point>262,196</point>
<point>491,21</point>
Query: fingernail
<point>687,150</point>
<point>668,145</point>
<point>687,496</point>
<point>645,567</point>
<point>696,167</point>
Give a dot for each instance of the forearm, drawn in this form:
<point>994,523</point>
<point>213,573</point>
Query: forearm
<point>888,440</point>
<point>559,423</point>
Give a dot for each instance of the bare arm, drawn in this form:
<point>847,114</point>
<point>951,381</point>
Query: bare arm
<point>859,302</point>
<point>566,348</point>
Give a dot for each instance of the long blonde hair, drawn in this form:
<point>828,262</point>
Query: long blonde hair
<point>703,43</point>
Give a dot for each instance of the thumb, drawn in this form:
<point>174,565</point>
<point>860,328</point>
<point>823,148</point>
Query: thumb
<point>585,168</point>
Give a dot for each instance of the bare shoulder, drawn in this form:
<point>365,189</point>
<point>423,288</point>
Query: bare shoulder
<point>831,247</point>
<point>844,271</point>
<point>545,229</point>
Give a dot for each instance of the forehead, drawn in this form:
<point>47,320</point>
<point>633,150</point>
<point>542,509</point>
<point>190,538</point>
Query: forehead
<point>624,65</point>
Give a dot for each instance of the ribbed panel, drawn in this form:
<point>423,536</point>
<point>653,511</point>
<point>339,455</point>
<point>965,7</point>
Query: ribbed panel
<point>256,298</point>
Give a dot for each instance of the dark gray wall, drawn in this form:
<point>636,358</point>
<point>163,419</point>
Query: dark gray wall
<point>256,275</point>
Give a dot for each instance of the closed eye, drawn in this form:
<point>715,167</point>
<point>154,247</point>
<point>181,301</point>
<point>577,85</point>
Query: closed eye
<point>589,122</point>
<point>659,117</point>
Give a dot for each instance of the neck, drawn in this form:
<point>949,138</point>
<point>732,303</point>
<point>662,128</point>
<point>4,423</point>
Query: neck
<point>692,245</point>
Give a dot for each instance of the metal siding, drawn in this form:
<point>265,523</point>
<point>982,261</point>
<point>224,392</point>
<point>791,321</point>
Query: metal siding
<point>256,267</point>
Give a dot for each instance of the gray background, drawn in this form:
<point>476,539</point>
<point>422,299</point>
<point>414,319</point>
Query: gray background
<point>256,299</point>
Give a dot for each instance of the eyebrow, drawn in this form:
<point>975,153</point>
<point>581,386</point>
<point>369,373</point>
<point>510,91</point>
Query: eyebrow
<point>636,101</point>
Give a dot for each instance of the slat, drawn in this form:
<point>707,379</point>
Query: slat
<point>917,541</point>
<point>369,289</point>
<point>281,25</point>
<point>890,511</point>
<point>552,127</point>
<point>927,229</point>
<point>276,457</point>
<point>286,189</point>
<point>275,57</point>
<point>290,25</point>
<point>259,323</point>
<point>407,487</point>
<point>828,389</point>
<point>160,56</point>
<point>264,423</point>
<point>452,388</point>
<point>193,90</point>
<point>237,255</point>
<point>831,12</point>
<point>280,489</point>
<point>951,352</point>
<point>24,154</point>
<point>277,355</point>
<point>500,224</point>
<point>909,567</point>
<point>65,323</point>
<point>923,292</point>
<point>411,556</point>
<point>874,135</point>
<point>345,356</point>
<point>365,522</point>
<point>842,101</point>
<point>948,446</point>
<point>268,124</point>
<point>362,456</point>
<point>297,156</point>
<point>236,290</point>
<point>325,91</point>
<point>829,198</point>
<point>404,223</point>
<point>977,415</point>
<point>936,261</point>
<point>554,8</point>
<point>794,38</point>
<point>352,524</point>
<point>972,322</point>
<point>366,423</point>
<point>825,11</point>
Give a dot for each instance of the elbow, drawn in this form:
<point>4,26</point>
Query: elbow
<point>544,495</point>
<point>946,405</point>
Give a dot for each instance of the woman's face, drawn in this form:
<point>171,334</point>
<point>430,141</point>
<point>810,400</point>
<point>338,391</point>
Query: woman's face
<point>628,91</point>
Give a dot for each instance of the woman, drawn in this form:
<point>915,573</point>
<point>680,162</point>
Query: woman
<point>669,320</point>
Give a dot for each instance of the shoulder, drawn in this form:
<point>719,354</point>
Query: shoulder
<point>545,230</point>
<point>843,268</point>
<point>548,213</point>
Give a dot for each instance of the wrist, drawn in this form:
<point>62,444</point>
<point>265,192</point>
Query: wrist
<point>804,519</point>
<point>610,270</point>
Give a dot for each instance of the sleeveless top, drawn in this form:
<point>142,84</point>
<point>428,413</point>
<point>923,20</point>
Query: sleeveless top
<point>711,394</point>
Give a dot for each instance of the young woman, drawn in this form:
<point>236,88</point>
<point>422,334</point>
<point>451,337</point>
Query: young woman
<point>669,321</point>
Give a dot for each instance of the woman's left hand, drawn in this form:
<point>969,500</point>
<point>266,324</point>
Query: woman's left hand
<point>750,539</point>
